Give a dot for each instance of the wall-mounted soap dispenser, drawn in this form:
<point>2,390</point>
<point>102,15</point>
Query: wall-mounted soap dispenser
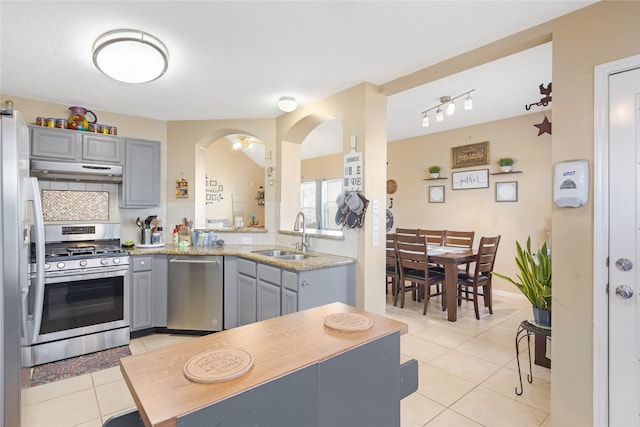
<point>571,184</point>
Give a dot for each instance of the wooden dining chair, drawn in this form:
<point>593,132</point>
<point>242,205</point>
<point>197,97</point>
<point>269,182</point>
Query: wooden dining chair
<point>460,239</point>
<point>414,268</point>
<point>481,277</point>
<point>393,271</point>
<point>434,237</point>
<point>407,231</point>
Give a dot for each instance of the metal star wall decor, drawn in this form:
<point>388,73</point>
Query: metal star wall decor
<point>544,127</point>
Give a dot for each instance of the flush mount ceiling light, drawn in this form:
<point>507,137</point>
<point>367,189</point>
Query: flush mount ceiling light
<point>287,104</point>
<point>449,106</point>
<point>130,56</point>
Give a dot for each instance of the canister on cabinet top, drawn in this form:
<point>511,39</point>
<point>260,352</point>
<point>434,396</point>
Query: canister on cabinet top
<point>94,127</point>
<point>51,122</point>
<point>41,121</point>
<point>104,129</point>
<point>113,130</point>
<point>61,123</point>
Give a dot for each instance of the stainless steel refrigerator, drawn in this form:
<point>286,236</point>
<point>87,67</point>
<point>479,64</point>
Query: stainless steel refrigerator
<point>20,207</point>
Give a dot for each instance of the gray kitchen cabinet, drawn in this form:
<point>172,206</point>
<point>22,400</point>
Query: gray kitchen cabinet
<point>71,145</point>
<point>101,148</point>
<point>141,292</point>
<point>246,287</point>
<point>55,144</point>
<point>268,292</point>
<point>141,174</point>
<point>160,290</point>
<point>255,291</point>
<point>313,288</point>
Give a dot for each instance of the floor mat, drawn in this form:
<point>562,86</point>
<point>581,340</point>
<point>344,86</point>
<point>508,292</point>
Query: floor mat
<point>74,366</point>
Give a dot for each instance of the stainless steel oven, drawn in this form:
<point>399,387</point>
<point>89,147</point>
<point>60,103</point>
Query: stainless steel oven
<point>84,306</point>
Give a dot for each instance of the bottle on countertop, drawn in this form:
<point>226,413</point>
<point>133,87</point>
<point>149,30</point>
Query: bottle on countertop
<point>176,237</point>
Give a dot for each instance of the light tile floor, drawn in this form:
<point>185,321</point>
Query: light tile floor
<point>467,374</point>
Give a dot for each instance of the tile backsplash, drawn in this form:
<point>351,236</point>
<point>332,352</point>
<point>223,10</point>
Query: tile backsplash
<point>75,201</point>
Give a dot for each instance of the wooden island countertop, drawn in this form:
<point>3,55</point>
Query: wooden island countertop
<point>279,346</point>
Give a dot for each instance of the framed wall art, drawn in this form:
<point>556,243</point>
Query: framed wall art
<point>470,179</point>
<point>470,155</point>
<point>436,194</point>
<point>507,191</point>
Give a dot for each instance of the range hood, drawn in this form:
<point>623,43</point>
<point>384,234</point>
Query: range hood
<point>70,171</point>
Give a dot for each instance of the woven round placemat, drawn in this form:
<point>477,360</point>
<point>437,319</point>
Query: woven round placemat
<point>220,365</point>
<point>348,322</point>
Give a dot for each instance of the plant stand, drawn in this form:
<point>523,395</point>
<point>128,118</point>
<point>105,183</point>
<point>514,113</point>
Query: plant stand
<point>526,329</point>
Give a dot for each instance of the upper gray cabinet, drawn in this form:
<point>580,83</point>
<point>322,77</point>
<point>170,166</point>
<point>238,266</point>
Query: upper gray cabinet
<point>102,148</point>
<point>63,144</point>
<point>141,174</point>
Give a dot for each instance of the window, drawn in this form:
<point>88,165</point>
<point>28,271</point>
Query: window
<point>319,203</point>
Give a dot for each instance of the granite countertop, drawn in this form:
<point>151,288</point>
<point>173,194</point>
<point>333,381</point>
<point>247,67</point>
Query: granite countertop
<point>315,261</point>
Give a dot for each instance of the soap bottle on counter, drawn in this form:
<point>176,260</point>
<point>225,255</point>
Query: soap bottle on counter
<point>176,237</point>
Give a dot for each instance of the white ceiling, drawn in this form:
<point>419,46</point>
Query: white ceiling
<point>234,59</point>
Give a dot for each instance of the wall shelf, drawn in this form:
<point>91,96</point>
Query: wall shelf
<point>433,179</point>
<point>505,173</point>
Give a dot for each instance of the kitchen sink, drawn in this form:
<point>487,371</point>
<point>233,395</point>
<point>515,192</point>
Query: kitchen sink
<point>276,253</point>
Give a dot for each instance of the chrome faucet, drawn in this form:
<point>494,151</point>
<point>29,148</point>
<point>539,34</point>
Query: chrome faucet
<point>302,246</point>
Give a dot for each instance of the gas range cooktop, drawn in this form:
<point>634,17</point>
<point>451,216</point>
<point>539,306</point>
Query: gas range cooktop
<point>81,247</point>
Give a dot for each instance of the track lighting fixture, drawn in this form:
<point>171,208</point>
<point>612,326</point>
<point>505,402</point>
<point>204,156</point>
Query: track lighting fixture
<point>449,106</point>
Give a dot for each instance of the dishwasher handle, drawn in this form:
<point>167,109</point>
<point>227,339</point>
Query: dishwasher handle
<point>195,261</point>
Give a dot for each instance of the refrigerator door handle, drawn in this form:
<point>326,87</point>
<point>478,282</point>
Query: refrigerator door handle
<point>32,322</point>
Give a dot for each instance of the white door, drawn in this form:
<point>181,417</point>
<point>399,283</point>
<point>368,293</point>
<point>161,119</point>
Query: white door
<point>624,248</point>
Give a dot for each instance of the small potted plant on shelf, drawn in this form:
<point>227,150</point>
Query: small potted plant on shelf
<point>534,280</point>
<point>506,164</point>
<point>434,171</point>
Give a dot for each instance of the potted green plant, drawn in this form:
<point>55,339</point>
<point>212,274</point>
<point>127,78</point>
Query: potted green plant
<point>534,280</point>
<point>506,163</point>
<point>434,171</point>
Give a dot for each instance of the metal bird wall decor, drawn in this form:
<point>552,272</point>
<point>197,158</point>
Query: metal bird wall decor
<point>545,126</point>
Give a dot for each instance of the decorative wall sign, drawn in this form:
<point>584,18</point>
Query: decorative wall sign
<point>182,189</point>
<point>353,172</point>
<point>507,191</point>
<point>436,194</point>
<point>470,155</point>
<point>470,179</point>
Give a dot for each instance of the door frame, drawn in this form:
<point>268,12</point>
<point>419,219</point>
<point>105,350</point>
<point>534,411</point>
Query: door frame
<point>601,234</point>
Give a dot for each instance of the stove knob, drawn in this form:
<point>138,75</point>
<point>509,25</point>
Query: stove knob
<point>83,263</point>
<point>47,266</point>
<point>104,261</point>
<point>116,260</point>
<point>60,265</point>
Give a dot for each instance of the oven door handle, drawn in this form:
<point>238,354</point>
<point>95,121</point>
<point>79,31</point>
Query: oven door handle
<point>31,322</point>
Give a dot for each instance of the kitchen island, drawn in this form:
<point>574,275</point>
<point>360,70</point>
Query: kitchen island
<point>304,374</point>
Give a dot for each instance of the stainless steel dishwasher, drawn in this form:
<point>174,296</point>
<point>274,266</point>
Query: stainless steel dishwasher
<point>195,293</point>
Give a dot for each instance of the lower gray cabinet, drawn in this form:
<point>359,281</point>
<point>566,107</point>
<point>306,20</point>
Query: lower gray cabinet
<point>247,285</point>
<point>141,292</point>
<point>148,291</point>
<point>314,288</point>
<point>268,295</point>
<point>160,291</point>
<point>254,291</point>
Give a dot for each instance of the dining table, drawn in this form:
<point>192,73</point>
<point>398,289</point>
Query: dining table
<point>450,257</point>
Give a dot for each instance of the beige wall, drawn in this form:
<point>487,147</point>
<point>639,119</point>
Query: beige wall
<point>598,34</point>
<point>476,209</point>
